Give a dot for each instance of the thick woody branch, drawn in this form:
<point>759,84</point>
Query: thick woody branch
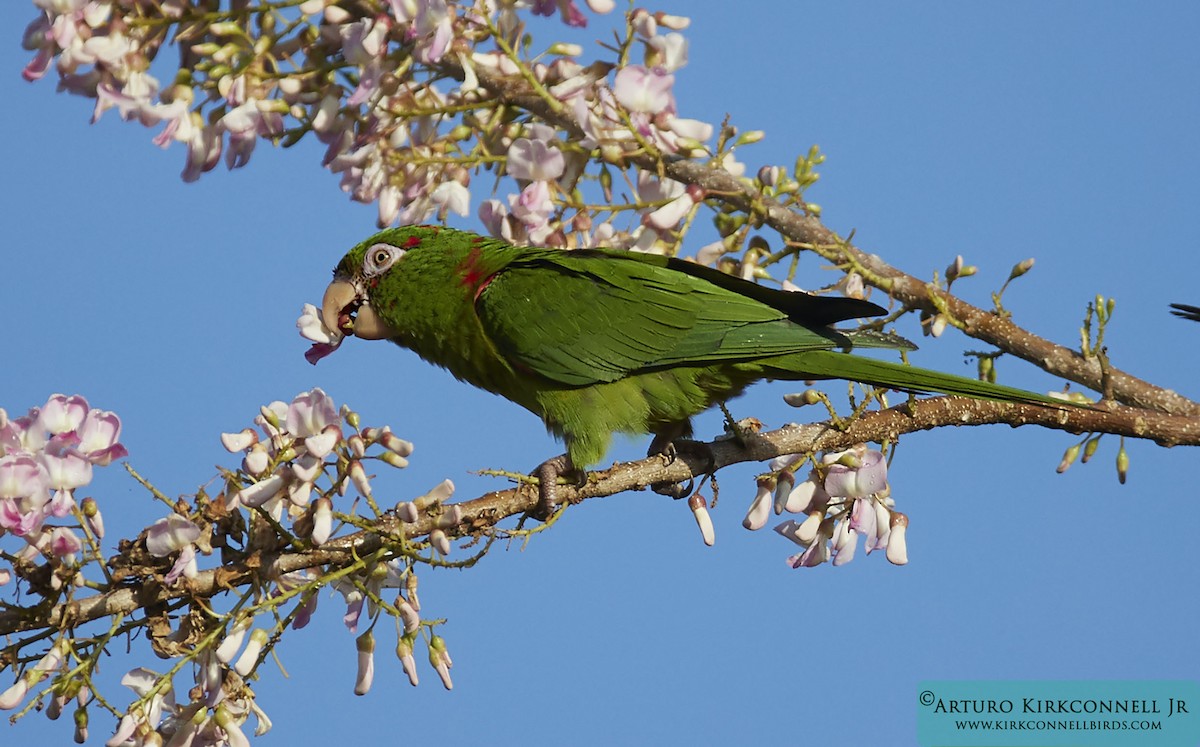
<point>481,515</point>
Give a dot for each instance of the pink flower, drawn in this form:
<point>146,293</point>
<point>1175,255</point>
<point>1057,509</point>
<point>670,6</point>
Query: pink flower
<point>534,160</point>
<point>310,413</point>
<point>866,478</point>
<point>174,532</point>
<point>98,437</point>
<point>62,414</point>
<point>64,543</point>
<point>640,89</point>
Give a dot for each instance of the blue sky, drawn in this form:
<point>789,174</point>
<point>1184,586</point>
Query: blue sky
<point>1063,131</point>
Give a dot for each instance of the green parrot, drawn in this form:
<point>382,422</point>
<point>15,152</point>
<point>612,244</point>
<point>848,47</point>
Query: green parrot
<point>601,341</point>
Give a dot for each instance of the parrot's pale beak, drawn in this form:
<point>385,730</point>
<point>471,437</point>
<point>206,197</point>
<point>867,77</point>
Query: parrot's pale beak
<point>345,309</point>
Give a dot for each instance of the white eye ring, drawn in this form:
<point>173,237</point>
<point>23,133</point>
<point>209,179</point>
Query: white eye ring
<point>379,258</point>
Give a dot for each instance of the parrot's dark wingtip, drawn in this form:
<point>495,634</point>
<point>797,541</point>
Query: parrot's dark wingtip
<point>1184,311</point>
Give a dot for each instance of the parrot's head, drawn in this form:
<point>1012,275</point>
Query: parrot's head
<point>346,309</point>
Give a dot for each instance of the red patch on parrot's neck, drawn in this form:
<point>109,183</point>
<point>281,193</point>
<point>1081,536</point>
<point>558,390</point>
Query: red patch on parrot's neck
<point>469,270</point>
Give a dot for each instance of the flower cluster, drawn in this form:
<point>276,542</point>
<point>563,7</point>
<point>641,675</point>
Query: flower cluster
<point>845,496</point>
<point>302,459</point>
<point>46,455</point>
<point>396,99</point>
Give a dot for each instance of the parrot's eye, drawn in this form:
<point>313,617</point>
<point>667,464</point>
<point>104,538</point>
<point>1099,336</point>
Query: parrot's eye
<point>380,257</point>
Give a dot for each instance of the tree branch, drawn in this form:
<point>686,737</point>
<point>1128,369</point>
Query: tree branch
<point>482,514</point>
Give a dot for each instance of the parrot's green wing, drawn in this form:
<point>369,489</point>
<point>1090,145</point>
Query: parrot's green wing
<point>587,317</point>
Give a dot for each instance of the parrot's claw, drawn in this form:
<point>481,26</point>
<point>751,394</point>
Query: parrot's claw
<point>670,452</point>
<point>547,474</point>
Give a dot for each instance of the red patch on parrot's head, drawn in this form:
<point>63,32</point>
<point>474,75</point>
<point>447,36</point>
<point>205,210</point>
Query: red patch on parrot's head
<point>411,242</point>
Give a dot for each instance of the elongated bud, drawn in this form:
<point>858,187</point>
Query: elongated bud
<point>954,268</point>
<point>783,488</point>
<point>1122,463</point>
<point>440,541</point>
<point>410,590</point>
<point>699,507</point>
<point>436,496</point>
<point>81,725</point>
<point>439,657</point>
<point>233,640</point>
<point>565,49</point>
<point>394,459</point>
<point>358,447</point>
<point>14,695</point>
<point>1089,448</point>
<point>404,652</point>
<point>407,512</point>
<point>350,416</point>
<point>897,549</point>
<point>358,476</point>
<point>269,416</point>
<point>750,137</point>
<point>249,658</point>
<point>91,512</point>
<point>760,507</point>
<point>1068,459</point>
<point>365,644</point>
<point>408,615</point>
<point>394,443</point>
<point>1021,268</point>
<point>322,520</point>
<point>800,399</point>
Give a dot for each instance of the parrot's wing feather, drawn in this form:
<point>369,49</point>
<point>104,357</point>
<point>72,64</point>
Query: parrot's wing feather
<point>584,318</point>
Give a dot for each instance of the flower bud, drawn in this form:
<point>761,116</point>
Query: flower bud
<point>675,23</point>
<point>394,459</point>
<point>233,640</point>
<point>440,541</point>
<point>760,507</point>
<point>249,658</point>
<point>784,482</point>
<point>81,725</point>
<point>410,589</point>
<point>91,513</point>
<point>359,477</point>
<point>408,615</point>
<point>365,644</point>
<point>404,652</point>
<point>800,399</point>
<point>394,443</point>
<point>1021,268</point>
<point>407,512</point>
<point>897,549</point>
<point>322,520</point>
<point>439,657</point>
<point>1068,458</point>
<point>699,508</point>
<point>436,496</point>
<point>358,447</point>
<point>1122,463</point>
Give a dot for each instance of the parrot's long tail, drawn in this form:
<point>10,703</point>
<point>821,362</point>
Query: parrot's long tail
<point>825,364</point>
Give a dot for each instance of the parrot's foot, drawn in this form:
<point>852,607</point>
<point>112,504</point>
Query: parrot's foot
<point>547,474</point>
<point>670,451</point>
